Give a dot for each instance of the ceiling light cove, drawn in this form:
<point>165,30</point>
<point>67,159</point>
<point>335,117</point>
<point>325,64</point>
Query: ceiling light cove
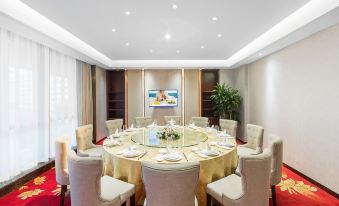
<point>306,14</point>
<point>167,36</point>
<point>151,51</point>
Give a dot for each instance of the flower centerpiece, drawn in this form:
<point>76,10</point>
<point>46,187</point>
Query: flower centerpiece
<point>168,133</point>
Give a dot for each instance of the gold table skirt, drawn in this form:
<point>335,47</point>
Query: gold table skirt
<point>129,169</point>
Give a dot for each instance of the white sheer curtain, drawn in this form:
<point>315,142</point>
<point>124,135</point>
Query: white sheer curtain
<point>24,103</point>
<point>38,102</point>
<point>63,98</point>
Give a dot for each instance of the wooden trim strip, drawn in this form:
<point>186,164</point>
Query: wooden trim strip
<point>126,97</point>
<point>200,103</point>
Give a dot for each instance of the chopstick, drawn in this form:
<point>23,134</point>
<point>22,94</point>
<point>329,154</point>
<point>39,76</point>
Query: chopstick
<point>185,156</point>
<point>142,155</point>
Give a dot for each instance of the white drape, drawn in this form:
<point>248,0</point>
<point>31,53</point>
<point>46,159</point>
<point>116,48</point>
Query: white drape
<point>63,99</point>
<point>37,102</point>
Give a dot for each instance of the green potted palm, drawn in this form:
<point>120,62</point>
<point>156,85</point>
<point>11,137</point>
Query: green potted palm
<point>227,102</point>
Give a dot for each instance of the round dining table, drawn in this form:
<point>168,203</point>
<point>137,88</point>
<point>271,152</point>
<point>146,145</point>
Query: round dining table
<point>150,147</point>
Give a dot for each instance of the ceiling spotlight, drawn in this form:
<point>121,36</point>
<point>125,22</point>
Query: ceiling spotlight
<point>127,44</point>
<point>128,13</point>
<point>174,6</point>
<point>214,18</point>
<point>114,30</point>
<point>151,51</point>
<point>202,46</point>
<point>178,51</point>
<point>168,36</point>
<point>219,35</point>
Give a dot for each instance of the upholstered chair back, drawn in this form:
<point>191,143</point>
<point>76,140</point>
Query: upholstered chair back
<point>143,121</point>
<point>255,178</point>
<point>61,166</point>
<point>230,126</point>
<point>200,121</point>
<point>85,176</point>
<point>255,136</point>
<point>84,136</point>
<point>176,119</point>
<point>276,146</point>
<point>169,185</point>
<point>113,125</point>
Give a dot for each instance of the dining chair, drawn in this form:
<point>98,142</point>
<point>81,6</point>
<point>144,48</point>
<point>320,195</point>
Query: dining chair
<point>200,121</point>
<point>143,121</point>
<point>230,126</point>
<point>172,184</point>
<point>89,188</point>
<point>276,146</point>
<point>113,125</point>
<point>251,188</point>
<point>255,136</point>
<point>85,147</point>
<point>61,168</point>
<point>176,119</point>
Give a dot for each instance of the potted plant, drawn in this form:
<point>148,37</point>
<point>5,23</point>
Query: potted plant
<point>227,101</point>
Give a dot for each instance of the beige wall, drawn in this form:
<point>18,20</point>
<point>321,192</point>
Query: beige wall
<point>294,93</point>
<point>237,78</point>
<point>192,94</point>
<point>135,95</point>
<point>100,106</point>
<point>162,79</point>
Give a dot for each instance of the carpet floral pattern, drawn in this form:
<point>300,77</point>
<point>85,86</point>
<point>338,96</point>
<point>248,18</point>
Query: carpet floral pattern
<point>293,190</point>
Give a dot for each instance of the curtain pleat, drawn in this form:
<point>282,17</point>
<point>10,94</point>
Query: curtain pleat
<point>38,102</point>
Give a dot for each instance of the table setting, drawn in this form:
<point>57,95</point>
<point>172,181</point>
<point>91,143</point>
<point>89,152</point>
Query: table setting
<point>170,144</point>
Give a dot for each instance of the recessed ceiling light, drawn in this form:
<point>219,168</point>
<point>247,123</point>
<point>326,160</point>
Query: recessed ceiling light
<point>214,18</point>
<point>168,36</point>
<point>128,13</point>
<point>260,54</point>
<point>127,44</point>
<point>174,6</point>
<point>151,51</point>
<point>178,51</point>
<point>219,35</point>
<point>114,30</point>
<point>202,46</point>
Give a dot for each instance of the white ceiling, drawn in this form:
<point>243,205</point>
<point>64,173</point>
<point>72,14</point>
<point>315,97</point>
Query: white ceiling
<point>190,25</point>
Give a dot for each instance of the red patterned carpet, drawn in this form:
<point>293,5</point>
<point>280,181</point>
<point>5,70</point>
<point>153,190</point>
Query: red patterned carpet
<point>292,191</point>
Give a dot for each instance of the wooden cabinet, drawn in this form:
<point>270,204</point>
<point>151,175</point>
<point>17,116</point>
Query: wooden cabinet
<point>209,79</point>
<point>116,95</point>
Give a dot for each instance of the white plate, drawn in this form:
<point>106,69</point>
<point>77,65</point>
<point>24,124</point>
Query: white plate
<point>132,153</point>
<point>111,143</point>
<point>159,158</point>
<point>163,151</point>
<point>131,129</point>
<point>115,135</point>
<point>173,158</point>
<point>211,152</point>
<point>227,144</point>
<point>223,135</point>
